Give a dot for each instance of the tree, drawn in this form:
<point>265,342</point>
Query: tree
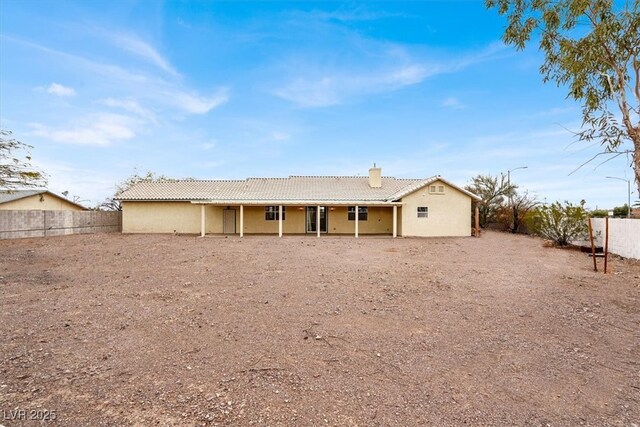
<point>493,191</point>
<point>593,48</point>
<point>512,217</point>
<point>112,204</point>
<point>16,170</point>
<point>560,223</point>
<point>621,211</point>
<point>599,213</point>
<point>75,199</point>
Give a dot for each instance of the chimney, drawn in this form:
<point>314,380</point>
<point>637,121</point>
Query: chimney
<point>375,177</point>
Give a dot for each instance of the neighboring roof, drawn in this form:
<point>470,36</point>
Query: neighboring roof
<point>291,189</point>
<point>10,196</point>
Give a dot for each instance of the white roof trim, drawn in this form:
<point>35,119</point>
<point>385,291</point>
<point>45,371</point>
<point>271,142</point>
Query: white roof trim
<point>297,202</point>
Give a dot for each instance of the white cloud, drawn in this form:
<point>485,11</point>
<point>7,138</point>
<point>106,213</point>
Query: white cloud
<point>333,89</point>
<point>60,90</point>
<point>280,136</point>
<point>454,103</point>
<point>184,24</point>
<point>142,49</point>
<point>347,14</point>
<point>131,106</point>
<point>311,93</point>
<point>409,75</point>
<point>552,112</point>
<point>160,91</point>
<point>197,104</point>
<point>75,61</point>
<point>387,68</point>
<point>98,129</point>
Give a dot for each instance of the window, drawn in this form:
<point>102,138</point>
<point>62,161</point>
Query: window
<point>423,212</point>
<point>272,213</point>
<point>363,213</point>
<point>436,189</point>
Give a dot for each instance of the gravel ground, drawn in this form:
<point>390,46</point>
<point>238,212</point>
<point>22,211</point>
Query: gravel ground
<point>114,330</point>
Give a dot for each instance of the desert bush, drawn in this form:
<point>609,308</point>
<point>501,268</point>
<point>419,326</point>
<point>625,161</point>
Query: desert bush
<point>621,211</point>
<point>512,218</point>
<point>560,223</point>
<point>598,213</point>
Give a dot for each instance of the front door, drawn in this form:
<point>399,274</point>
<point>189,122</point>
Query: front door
<point>312,219</point>
<point>229,221</point>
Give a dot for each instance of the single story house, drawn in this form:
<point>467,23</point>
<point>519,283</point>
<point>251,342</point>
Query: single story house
<point>40,200</point>
<point>317,205</point>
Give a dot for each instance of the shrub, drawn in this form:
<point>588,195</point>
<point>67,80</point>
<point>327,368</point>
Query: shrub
<point>599,213</point>
<point>559,223</point>
<point>621,211</point>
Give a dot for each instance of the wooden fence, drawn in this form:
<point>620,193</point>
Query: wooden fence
<point>33,223</point>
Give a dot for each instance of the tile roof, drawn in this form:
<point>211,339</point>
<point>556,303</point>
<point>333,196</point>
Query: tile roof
<point>293,188</point>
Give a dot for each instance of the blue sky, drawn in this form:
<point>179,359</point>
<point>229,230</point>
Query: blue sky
<point>243,89</point>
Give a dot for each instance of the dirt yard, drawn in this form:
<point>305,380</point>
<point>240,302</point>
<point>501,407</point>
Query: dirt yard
<point>110,330</point>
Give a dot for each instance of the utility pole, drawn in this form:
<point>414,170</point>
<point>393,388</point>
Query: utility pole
<point>628,193</point>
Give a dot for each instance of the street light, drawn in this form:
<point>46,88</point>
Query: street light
<point>513,211</point>
<point>628,193</point>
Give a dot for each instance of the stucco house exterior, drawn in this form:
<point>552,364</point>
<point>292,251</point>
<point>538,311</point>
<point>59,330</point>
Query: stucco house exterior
<point>315,205</point>
<point>41,200</point>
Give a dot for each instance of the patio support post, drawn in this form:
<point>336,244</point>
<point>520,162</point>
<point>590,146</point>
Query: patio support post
<point>357,215</point>
<point>395,221</point>
<point>241,220</point>
<point>318,220</point>
<point>202,220</point>
<point>280,221</point>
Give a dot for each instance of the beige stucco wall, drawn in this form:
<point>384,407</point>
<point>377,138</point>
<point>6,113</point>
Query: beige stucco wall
<point>169,217</point>
<point>255,222</point>
<point>43,202</point>
<point>449,213</point>
<point>184,217</point>
<point>379,221</point>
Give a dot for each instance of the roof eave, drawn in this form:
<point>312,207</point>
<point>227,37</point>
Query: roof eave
<point>297,202</point>
<point>431,180</point>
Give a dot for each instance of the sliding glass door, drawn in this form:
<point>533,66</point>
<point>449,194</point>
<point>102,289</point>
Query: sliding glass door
<point>312,219</point>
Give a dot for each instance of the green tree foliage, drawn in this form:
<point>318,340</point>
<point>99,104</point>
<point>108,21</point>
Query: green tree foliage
<point>592,47</point>
<point>598,213</point>
<point>16,170</point>
<point>512,218</point>
<point>621,211</point>
<point>112,204</point>
<point>560,223</point>
<point>493,191</point>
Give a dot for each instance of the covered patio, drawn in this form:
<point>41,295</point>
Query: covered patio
<point>305,217</point>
